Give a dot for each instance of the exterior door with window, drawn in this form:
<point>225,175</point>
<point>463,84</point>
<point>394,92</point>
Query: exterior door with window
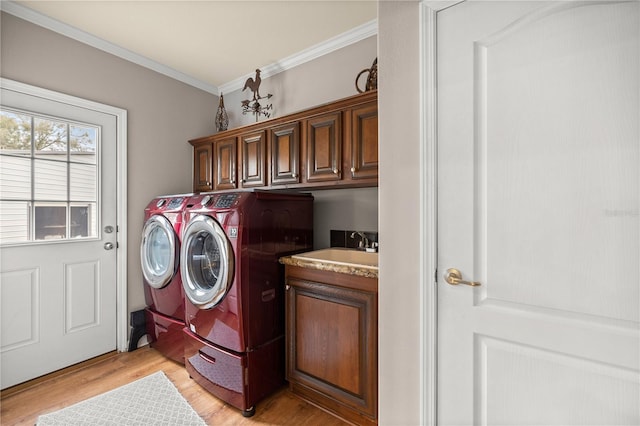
<point>57,235</point>
<point>538,202</point>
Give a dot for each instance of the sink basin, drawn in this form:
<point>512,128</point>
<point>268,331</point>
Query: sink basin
<point>341,256</point>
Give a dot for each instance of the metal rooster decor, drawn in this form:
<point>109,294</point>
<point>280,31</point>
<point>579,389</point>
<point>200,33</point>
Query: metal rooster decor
<point>253,106</point>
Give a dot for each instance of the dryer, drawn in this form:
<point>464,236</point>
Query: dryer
<point>234,289</point>
<point>160,260</point>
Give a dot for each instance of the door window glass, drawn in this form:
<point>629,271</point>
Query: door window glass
<point>160,251</point>
<point>48,178</point>
<point>205,253</point>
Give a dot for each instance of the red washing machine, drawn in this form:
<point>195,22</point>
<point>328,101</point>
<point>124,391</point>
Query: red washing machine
<point>234,289</point>
<point>160,260</point>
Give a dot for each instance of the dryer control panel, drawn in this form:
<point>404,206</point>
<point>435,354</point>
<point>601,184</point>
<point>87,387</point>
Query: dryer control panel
<point>225,201</point>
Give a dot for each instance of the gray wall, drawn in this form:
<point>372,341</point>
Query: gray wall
<point>162,114</point>
<point>399,318</point>
<point>322,80</point>
<point>343,209</point>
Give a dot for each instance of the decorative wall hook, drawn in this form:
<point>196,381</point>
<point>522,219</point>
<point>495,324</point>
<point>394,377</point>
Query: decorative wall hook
<point>372,79</point>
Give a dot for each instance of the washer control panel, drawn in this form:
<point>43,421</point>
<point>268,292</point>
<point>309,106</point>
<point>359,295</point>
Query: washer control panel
<point>175,203</point>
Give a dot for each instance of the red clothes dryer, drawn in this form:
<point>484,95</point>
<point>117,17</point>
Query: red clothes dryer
<point>234,289</point>
<point>160,260</point>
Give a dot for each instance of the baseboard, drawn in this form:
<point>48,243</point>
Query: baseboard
<point>10,391</point>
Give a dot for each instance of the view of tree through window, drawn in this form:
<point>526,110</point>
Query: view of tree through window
<point>48,178</point>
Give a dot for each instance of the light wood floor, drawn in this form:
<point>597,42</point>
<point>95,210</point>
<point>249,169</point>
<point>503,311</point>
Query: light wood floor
<point>22,406</point>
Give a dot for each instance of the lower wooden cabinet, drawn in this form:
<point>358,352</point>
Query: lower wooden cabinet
<point>332,341</point>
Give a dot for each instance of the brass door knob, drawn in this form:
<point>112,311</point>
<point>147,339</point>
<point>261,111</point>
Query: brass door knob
<point>454,277</point>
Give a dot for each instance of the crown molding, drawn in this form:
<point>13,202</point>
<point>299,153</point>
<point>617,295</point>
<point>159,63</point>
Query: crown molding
<point>354,35</point>
<point>345,39</point>
<point>54,25</point>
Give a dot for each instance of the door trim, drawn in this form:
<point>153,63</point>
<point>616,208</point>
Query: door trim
<point>122,310</point>
<point>429,207</point>
<point>428,214</point>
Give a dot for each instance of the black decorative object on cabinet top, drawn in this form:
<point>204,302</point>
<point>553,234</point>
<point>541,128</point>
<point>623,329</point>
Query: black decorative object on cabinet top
<point>222,119</point>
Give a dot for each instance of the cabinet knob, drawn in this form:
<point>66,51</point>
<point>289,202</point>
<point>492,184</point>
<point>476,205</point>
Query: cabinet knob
<point>294,175</point>
<point>287,287</point>
<point>335,171</point>
<point>353,170</point>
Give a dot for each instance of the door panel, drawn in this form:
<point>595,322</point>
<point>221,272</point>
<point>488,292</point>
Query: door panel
<point>253,147</point>
<point>225,151</point>
<point>364,142</point>
<point>285,154</point>
<point>59,296</point>
<point>538,143</point>
<point>202,174</point>
<point>323,147</point>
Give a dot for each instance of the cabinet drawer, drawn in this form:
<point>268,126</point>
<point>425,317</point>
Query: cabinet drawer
<point>218,371</point>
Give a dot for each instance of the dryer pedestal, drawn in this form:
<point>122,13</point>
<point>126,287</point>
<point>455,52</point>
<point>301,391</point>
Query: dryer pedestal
<point>240,379</point>
<point>165,335</point>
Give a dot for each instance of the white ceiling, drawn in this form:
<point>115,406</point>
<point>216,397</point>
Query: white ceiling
<point>212,44</point>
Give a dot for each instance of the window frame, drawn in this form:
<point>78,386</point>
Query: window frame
<point>33,202</point>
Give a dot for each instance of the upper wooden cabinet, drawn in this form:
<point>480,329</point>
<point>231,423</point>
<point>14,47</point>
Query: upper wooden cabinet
<point>225,165</point>
<point>253,159</point>
<point>329,146</point>
<point>202,168</point>
<point>285,154</point>
<point>323,147</point>
<point>364,142</point>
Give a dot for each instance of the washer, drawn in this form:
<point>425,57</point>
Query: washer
<point>234,289</point>
<point>160,260</point>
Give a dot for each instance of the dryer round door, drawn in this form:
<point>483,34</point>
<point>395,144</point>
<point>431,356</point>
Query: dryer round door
<point>206,262</point>
<point>159,251</point>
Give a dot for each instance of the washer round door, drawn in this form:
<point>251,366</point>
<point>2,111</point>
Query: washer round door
<point>159,251</point>
<point>206,262</point>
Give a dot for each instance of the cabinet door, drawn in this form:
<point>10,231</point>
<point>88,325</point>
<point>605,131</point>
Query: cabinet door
<point>225,161</point>
<point>332,345</point>
<point>202,157</point>
<point>364,142</point>
<point>252,147</point>
<point>285,154</point>
<point>323,147</point>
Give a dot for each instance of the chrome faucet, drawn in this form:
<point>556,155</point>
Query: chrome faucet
<point>364,241</point>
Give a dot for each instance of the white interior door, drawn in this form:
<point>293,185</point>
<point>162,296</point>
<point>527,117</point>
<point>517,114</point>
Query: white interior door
<point>538,201</point>
<point>57,235</point>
